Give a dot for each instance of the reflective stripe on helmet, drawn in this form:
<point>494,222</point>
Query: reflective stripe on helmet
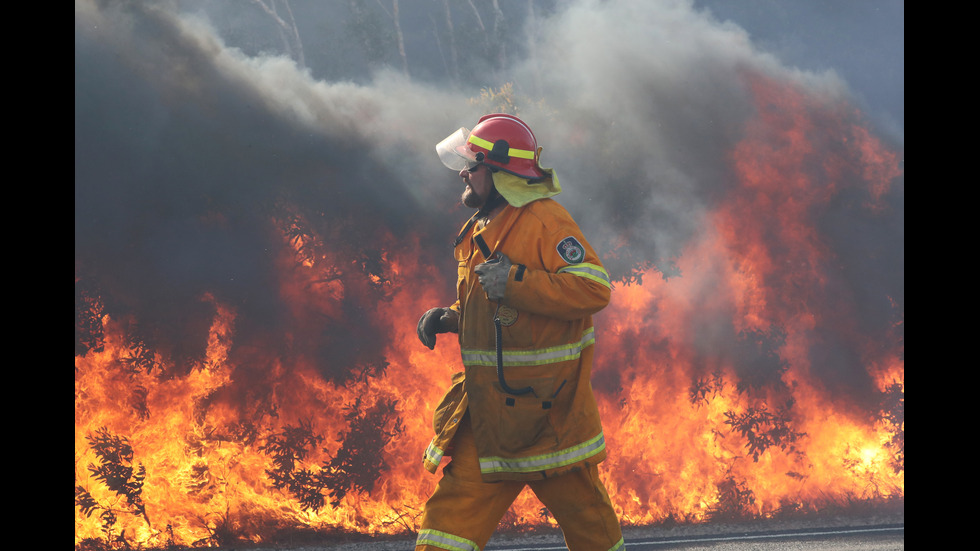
<point>513,152</point>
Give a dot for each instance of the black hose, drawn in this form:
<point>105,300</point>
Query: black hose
<point>500,361</point>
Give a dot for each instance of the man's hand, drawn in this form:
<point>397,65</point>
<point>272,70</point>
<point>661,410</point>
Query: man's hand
<point>435,321</point>
<point>493,276</point>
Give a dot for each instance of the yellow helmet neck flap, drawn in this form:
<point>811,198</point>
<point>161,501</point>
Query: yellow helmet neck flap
<point>521,191</point>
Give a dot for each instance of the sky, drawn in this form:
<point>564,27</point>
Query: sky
<point>863,42</point>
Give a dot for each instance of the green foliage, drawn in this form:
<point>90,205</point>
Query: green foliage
<point>289,448</point>
<point>358,465</point>
<point>85,500</point>
<point>703,386</point>
<point>116,471</point>
<point>361,459</point>
<point>88,320</point>
<point>734,501</point>
<point>893,411</point>
<point>140,357</point>
<point>501,100</point>
<point>764,429</point>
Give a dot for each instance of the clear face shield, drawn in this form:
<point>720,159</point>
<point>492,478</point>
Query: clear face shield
<point>453,151</point>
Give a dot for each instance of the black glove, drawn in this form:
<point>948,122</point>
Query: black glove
<point>493,276</point>
<point>435,321</point>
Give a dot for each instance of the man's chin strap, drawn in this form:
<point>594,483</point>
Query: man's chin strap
<point>495,200</point>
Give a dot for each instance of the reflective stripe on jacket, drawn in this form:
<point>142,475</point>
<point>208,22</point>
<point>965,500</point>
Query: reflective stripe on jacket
<point>556,282</point>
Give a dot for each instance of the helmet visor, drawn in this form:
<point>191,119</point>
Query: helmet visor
<point>453,151</point>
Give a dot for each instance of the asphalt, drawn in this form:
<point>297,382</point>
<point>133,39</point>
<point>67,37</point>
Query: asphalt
<point>882,531</point>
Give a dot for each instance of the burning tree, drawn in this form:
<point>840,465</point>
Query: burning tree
<point>117,473</point>
<point>356,467</point>
<point>246,363</point>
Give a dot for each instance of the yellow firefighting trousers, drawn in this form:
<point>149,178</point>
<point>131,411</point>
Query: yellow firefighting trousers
<point>464,511</point>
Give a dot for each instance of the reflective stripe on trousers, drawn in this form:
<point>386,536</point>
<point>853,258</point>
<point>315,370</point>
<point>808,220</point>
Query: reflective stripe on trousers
<point>442,540</point>
<point>464,511</point>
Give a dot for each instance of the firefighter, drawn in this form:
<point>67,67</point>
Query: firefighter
<point>522,412</point>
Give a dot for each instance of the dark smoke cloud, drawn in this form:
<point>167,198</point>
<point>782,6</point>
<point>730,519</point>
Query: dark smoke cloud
<point>186,143</point>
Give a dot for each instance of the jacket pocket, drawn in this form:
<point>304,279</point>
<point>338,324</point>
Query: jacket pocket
<point>525,421</point>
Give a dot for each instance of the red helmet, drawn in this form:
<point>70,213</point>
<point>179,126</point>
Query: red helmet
<point>499,140</point>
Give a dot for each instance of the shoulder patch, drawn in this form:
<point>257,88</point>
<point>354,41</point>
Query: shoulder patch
<point>571,250</point>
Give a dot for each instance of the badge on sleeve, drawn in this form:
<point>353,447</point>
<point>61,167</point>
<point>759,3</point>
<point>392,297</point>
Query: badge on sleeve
<point>571,250</point>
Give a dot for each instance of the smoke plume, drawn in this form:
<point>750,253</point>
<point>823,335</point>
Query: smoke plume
<point>185,147</point>
<point>750,213</point>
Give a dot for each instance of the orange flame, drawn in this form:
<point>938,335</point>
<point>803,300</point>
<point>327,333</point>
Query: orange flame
<point>692,435</point>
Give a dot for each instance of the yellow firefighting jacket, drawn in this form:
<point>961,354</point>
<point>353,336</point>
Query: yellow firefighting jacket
<point>555,284</point>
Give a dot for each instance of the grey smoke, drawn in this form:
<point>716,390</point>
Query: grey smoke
<point>184,140</point>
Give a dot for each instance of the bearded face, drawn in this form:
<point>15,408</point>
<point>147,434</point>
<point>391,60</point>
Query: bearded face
<point>479,184</point>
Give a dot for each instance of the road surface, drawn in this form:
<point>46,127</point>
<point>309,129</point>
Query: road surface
<point>869,538</point>
<point>880,532</point>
